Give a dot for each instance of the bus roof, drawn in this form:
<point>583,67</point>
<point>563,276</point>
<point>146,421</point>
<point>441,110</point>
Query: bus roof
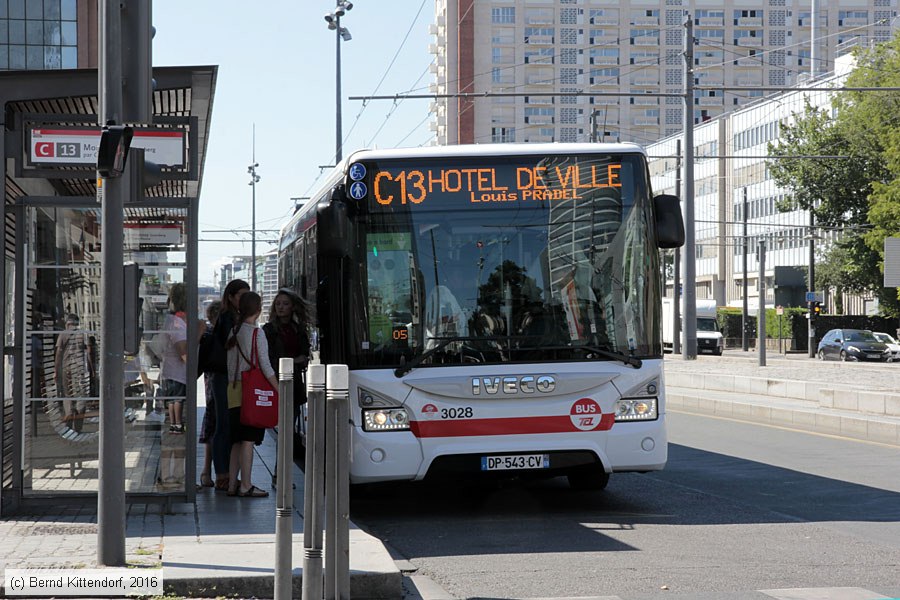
<point>492,150</point>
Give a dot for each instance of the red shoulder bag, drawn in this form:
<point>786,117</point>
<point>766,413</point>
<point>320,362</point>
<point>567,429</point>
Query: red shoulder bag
<point>259,400</point>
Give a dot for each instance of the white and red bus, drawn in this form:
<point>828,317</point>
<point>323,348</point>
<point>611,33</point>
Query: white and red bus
<point>498,307</point>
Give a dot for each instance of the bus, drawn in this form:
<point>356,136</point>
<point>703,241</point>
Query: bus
<point>498,307</point>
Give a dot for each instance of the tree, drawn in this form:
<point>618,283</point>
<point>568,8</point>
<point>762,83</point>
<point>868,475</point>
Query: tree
<point>858,195</point>
<point>876,115</point>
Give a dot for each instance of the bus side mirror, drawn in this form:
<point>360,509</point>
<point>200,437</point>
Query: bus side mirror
<point>669,224</point>
<point>333,227</point>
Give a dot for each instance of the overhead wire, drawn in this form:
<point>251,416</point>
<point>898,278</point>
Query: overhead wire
<point>394,107</point>
<point>363,107</point>
<point>387,70</point>
<point>606,43</point>
<point>825,60</point>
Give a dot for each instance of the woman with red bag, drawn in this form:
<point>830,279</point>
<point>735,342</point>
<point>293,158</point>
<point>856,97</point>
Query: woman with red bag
<point>247,349</point>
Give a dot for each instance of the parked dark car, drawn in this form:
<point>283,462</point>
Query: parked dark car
<point>852,344</point>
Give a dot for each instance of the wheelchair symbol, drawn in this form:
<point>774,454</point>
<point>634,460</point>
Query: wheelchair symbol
<point>357,171</point>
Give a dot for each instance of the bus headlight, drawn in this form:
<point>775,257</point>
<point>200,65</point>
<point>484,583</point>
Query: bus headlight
<point>636,409</point>
<point>386,419</point>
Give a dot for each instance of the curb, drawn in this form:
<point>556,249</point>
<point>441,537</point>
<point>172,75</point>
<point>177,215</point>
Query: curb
<point>363,585</point>
<point>825,395</point>
<point>811,418</point>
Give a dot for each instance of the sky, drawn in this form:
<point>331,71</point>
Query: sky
<point>276,71</point>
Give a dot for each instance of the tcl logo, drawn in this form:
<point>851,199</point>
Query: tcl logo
<point>585,414</point>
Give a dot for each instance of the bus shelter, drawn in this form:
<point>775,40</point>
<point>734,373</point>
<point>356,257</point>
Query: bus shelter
<point>51,278</point>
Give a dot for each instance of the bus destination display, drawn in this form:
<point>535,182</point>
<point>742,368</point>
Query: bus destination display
<point>507,183</point>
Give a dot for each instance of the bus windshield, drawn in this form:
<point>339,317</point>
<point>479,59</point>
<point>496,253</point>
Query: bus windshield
<point>504,259</point>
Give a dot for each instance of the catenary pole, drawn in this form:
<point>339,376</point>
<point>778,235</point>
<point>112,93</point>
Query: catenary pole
<point>689,351</point>
<point>111,192</point>
<point>814,9</point>
<point>761,316</point>
<point>676,288</point>
<point>338,133</point>
<point>811,321</point>
<point>254,179</point>
<point>745,335</point>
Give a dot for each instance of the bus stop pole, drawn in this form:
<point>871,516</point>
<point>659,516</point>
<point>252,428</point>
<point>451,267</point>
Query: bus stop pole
<point>337,484</point>
<point>314,480</point>
<point>111,193</point>
<point>284,508</point>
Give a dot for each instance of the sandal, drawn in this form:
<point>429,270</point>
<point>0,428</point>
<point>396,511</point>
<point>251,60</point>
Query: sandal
<point>221,484</point>
<point>206,481</point>
<point>233,492</point>
<point>254,492</point>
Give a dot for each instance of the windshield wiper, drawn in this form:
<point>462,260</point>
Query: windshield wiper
<point>612,354</point>
<point>416,361</point>
<point>604,352</point>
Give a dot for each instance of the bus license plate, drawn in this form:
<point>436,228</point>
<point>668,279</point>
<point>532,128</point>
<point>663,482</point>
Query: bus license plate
<point>515,461</point>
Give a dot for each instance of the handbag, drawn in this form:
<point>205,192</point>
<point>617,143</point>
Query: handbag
<point>211,355</point>
<point>259,400</point>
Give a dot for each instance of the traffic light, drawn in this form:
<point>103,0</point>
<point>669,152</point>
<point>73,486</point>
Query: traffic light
<point>112,154</point>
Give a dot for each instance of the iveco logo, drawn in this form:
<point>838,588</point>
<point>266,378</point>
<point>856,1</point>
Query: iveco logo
<point>527,384</point>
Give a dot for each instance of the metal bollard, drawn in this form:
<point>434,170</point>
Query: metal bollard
<point>337,484</point>
<point>314,481</point>
<point>284,506</point>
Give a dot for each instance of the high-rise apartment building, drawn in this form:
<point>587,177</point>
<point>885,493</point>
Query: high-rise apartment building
<point>537,51</point>
<point>48,34</point>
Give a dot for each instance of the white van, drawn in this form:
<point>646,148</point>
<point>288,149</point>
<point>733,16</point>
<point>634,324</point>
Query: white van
<point>709,337</point>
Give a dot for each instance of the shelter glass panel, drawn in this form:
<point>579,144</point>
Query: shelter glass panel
<point>62,261</point>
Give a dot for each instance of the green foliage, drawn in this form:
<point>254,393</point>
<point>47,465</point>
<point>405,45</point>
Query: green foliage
<point>729,320</point>
<point>838,188</point>
<point>859,194</point>
<point>781,327</point>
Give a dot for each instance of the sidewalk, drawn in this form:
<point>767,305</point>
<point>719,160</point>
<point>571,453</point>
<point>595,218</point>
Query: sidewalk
<point>222,546</point>
<point>858,400</point>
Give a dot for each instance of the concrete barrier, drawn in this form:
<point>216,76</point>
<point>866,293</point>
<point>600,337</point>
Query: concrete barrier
<point>831,396</point>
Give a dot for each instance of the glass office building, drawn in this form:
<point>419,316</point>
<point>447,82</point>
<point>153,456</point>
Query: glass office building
<point>41,34</point>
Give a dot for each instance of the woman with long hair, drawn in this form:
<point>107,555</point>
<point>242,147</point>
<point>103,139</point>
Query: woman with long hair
<point>240,354</point>
<point>287,333</point>
<point>228,317</point>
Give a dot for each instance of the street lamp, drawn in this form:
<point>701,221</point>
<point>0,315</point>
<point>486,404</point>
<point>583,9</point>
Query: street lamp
<point>254,179</point>
<point>341,34</point>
